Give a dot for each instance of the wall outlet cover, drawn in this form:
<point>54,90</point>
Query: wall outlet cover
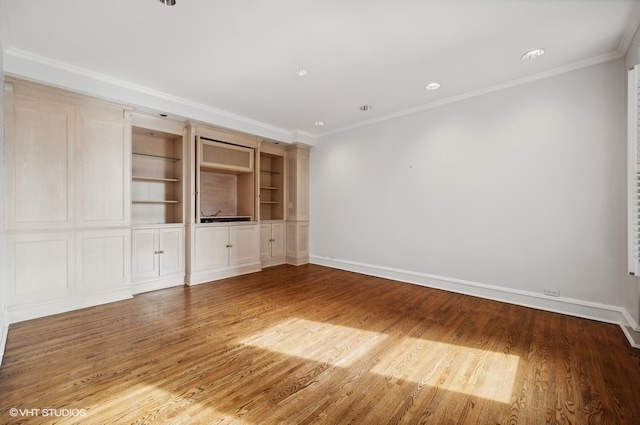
<point>552,292</point>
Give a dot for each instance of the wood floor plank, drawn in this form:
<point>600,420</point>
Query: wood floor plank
<point>313,345</point>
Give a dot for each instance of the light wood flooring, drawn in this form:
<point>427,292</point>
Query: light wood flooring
<point>313,345</point>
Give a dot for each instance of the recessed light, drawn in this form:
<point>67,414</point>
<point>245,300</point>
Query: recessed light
<point>319,123</point>
<point>168,2</point>
<point>301,72</point>
<point>366,107</point>
<point>533,54</point>
<point>151,134</point>
<point>163,115</point>
<point>432,86</point>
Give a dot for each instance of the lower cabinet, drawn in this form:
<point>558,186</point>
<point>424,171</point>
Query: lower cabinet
<point>157,258</point>
<point>53,272</point>
<point>220,251</point>
<point>272,244</point>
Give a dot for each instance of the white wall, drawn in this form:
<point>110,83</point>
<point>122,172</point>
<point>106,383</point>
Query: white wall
<point>519,189</point>
<point>631,285</point>
<point>4,324</point>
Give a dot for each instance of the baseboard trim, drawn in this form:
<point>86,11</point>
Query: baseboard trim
<point>273,262</point>
<point>297,261</point>
<point>157,284</point>
<point>208,276</point>
<point>578,308</point>
<point>20,313</point>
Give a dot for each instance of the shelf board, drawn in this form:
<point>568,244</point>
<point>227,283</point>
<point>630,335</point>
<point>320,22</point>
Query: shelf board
<point>269,172</point>
<point>155,179</point>
<point>167,201</point>
<point>269,187</point>
<point>146,155</point>
<point>269,202</point>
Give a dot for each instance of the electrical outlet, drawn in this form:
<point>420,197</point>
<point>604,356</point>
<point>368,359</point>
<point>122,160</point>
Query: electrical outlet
<point>552,292</point>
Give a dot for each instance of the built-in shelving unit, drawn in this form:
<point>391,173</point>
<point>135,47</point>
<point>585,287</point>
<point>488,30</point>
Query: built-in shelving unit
<point>156,182</point>
<point>271,186</point>
<point>158,173</point>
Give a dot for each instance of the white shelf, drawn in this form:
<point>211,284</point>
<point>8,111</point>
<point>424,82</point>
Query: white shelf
<point>151,156</point>
<point>156,202</point>
<point>158,179</point>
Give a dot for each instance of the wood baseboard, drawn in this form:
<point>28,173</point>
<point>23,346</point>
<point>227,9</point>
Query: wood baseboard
<point>55,306</point>
<point>205,277</point>
<point>154,285</point>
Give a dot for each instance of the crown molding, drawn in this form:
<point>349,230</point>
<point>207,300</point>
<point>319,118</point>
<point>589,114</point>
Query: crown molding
<point>475,93</point>
<point>630,30</point>
<point>38,68</point>
<point>26,65</point>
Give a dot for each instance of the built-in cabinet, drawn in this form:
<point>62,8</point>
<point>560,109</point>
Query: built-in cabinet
<point>102,202</point>
<point>271,198</point>
<point>157,258</point>
<point>223,233</point>
<point>223,250</point>
<point>67,205</point>
<point>272,243</point>
<point>157,203</point>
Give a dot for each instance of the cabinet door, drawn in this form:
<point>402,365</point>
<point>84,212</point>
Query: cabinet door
<point>39,156</point>
<point>172,248</point>
<point>103,167</point>
<point>210,248</point>
<point>144,260</point>
<point>224,156</point>
<point>278,241</point>
<point>103,260</point>
<point>265,242</point>
<point>245,245</point>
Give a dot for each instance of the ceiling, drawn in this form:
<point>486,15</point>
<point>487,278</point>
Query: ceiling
<point>240,57</point>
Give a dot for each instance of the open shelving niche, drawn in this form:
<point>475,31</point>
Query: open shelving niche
<point>271,187</point>
<point>225,180</point>
<point>156,182</point>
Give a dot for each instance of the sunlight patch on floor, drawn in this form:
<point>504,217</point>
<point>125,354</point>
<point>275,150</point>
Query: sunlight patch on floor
<point>482,373</point>
<point>161,404</point>
<point>317,341</point>
<point>466,370</point>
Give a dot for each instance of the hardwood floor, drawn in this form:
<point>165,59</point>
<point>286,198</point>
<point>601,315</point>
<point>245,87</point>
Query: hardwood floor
<point>313,345</point>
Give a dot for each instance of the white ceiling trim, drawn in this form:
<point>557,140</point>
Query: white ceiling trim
<point>20,63</point>
<point>535,77</point>
<point>630,31</point>
<point>23,64</point>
